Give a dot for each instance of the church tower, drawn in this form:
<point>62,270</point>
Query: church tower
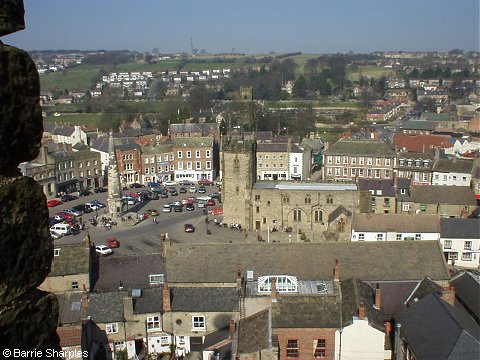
<point>114,185</point>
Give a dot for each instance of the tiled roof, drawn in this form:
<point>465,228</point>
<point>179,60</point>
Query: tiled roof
<point>453,165</point>
<point>307,261</point>
<point>253,333</point>
<point>72,259</point>
<point>112,271</point>
<point>360,147</point>
<point>413,223</point>
<point>452,228</point>
<point>420,143</point>
<point>437,194</point>
<point>455,335</point>
<point>70,335</point>
<point>212,299</point>
<point>320,311</point>
<point>106,307</point>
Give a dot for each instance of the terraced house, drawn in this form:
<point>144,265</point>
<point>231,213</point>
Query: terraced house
<point>193,158</point>
<point>351,159</point>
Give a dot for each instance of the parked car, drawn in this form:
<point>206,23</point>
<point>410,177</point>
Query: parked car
<point>216,195</point>
<point>166,208</point>
<point>153,195</point>
<point>202,190</point>
<point>84,192</point>
<point>73,212</point>
<point>112,242</point>
<point>164,195</point>
<point>153,184</point>
<point>193,189</point>
<point>54,202</point>
<point>136,186</point>
<point>154,213</point>
<point>205,182</point>
<point>189,228</point>
<point>100,189</point>
<point>211,202</point>
<point>103,250</point>
<point>182,190</point>
<point>170,183</point>
<point>202,204</point>
<point>185,182</point>
<point>83,208</point>
<point>173,192</point>
<point>98,203</point>
<point>52,221</point>
<point>60,216</point>
<point>177,208</point>
<point>68,197</point>
<point>189,207</point>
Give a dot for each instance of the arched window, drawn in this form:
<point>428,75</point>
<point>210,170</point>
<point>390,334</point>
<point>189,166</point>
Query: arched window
<point>297,215</point>
<point>329,199</point>
<point>318,215</point>
<point>308,199</point>
<point>286,200</point>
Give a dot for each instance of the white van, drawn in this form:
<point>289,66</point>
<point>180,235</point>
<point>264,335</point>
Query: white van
<point>63,229</point>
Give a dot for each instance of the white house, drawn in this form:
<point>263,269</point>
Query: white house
<point>299,161</point>
<point>101,145</point>
<point>460,240</point>
<point>69,135</point>
<point>452,172</point>
<point>395,227</point>
<point>462,146</point>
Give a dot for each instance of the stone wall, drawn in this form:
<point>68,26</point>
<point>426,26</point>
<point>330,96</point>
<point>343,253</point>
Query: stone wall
<point>28,316</point>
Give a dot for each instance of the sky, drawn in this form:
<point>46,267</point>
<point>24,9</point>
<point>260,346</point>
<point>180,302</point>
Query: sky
<point>250,26</point>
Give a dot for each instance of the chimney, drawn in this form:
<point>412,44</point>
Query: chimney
<point>336,271</point>
<point>85,302</point>
<point>128,308</point>
<point>166,298</point>
<point>232,328</point>
<point>388,327</point>
<point>166,246</point>
<point>361,312</point>
<point>239,279</point>
<point>377,297</point>
<point>274,289</point>
<point>448,294</point>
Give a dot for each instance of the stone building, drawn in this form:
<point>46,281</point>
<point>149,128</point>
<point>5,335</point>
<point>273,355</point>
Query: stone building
<point>314,211</point>
<point>272,161</point>
<point>193,158</point>
<point>157,163</point>
<point>351,159</point>
<point>42,170</point>
<point>87,169</point>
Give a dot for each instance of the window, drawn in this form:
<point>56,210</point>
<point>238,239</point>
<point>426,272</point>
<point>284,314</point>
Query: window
<point>379,237</point>
<point>329,199</point>
<point>308,199</point>
<point>198,322</point>
<point>345,159</point>
<point>337,159</point>
<point>399,237</point>
<point>286,200</point>
<point>354,160</point>
<point>56,252</point>
<point>377,173</point>
<point>179,154</point>
<point>198,165</point>
<point>208,165</point>
<point>128,166</point>
<point>95,162</point>
<point>297,215</point>
<point>405,207</point>
<point>74,285</point>
<point>153,323</point>
<point>189,154</point>
<point>329,159</point>
<point>156,279</point>
<point>361,237</point>
<point>464,178</point>
<point>447,244</point>
<point>319,347</point>
<point>369,161</point>
<point>466,256</point>
<point>257,197</point>
<point>189,165</point>
<point>418,236</point>
<point>401,162</point>
<point>387,162</point>
<point>180,165</point>
<point>378,161</point>
<point>467,245</point>
<point>197,153</point>
<point>318,215</point>
<point>88,163</point>
<point>292,349</point>
<point>361,161</point>
<point>111,328</point>
<point>257,209</point>
<point>80,164</point>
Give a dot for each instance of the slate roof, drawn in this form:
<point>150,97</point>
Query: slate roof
<point>403,183</point>
<point>437,194</point>
<point>393,295</point>
<point>70,308</point>
<point>414,223</point>
<point>385,185</point>
<point>73,259</point>
<point>48,127</point>
<point>436,330</point>
<point>100,144</point>
<point>204,299</point>
<point>272,147</point>
<point>253,333</point>
<point>106,307</point>
<point>453,228</point>
<point>164,147</point>
<point>193,142</point>
<point>184,128</point>
<point>354,292</point>
<point>419,125</point>
<point>360,147</point>
<point>112,271</point>
<point>337,212</point>
<point>467,292</point>
<point>307,261</point>
<point>151,301</point>
<point>453,165</point>
<point>423,288</point>
<point>321,311</point>
<point>64,130</point>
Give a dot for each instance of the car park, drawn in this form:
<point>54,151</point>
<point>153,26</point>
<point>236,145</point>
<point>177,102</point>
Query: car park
<point>112,242</point>
<point>54,202</point>
<point>60,216</point>
<point>166,208</point>
<point>103,250</point>
<point>189,228</point>
<point>189,207</point>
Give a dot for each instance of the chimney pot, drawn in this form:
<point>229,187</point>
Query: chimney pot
<point>378,302</point>
<point>232,328</point>
<point>166,298</point>
<point>274,289</point>
<point>337,271</point>
<point>361,312</point>
<point>448,294</point>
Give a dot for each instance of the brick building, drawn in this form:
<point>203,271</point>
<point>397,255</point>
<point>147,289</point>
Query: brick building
<point>129,163</point>
<point>193,158</point>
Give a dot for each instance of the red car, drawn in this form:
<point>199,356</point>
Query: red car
<point>205,182</point>
<point>54,202</point>
<point>60,216</point>
<point>113,242</point>
<point>211,202</point>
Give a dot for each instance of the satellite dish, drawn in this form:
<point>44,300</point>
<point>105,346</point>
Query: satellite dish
<point>417,211</point>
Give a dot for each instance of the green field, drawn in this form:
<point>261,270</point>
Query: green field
<point>75,119</point>
<point>371,71</point>
<point>74,78</point>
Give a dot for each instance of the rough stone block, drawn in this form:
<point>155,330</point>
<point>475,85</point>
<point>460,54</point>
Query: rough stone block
<point>11,16</point>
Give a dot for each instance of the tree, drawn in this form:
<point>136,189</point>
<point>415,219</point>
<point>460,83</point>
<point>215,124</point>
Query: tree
<point>300,87</point>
